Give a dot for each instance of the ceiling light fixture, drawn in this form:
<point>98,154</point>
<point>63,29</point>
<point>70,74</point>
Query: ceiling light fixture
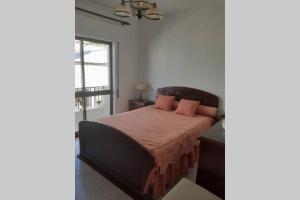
<point>138,8</point>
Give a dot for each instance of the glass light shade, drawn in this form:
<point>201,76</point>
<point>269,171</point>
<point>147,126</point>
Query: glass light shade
<point>141,86</point>
<point>154,13</point>
<point>122,11</point>
<point>141,4</point>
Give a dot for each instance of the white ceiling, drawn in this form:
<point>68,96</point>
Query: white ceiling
<point>166,6</point>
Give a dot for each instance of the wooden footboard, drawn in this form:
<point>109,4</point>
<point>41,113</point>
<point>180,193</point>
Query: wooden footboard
<point>116,156</point>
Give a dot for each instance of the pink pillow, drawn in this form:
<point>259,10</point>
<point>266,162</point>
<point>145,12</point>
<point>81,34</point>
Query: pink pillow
<point>187,107</point>
<point>164,102</point>
<point>207,111</point>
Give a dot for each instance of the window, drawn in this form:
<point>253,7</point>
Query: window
<point>93,77</point>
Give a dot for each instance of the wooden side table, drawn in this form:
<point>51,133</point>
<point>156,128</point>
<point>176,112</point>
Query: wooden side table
<point>211,165</point>
<point>135,103</point>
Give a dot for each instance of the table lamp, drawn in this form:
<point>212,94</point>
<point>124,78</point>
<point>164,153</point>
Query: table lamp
<point>140,87</point>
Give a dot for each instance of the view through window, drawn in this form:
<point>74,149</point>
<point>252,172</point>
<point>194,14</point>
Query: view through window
<point>93,94</point>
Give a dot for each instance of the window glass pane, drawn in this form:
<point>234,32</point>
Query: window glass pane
<point>78,104</point>
<point>97,106</point>
<point>77,51</point>
<point>78,118</point>
<point>96,77</point>
<point>95,52</point>
<point>78,81</point>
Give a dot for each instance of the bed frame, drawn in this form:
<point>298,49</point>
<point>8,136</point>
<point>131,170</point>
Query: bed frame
<point>121,159</point>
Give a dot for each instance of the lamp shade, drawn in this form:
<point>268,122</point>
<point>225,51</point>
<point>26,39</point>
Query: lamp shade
<point>141,4</point>
<point>154,13</point>
<point>122,10</point>
<point>141,86</point>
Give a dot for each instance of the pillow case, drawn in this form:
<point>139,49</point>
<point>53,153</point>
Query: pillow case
<point>201,110</point>
<point>187,107</point>
<point>164,102</point>
<point>207,111</point>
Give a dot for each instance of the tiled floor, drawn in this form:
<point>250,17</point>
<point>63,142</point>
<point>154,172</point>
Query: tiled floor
<point>90,185</point>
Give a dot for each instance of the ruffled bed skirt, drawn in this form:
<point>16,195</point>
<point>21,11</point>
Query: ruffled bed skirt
<point>158,181</point>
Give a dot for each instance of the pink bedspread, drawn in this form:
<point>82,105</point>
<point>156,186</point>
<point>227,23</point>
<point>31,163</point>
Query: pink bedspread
<point>169,137</point>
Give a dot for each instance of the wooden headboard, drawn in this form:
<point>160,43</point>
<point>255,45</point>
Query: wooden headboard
<point>205,98</point>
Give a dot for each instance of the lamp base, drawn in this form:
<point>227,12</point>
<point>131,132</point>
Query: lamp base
<point>141,97</point>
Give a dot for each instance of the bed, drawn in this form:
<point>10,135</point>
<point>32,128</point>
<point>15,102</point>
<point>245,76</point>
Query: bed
<point>124,148</point>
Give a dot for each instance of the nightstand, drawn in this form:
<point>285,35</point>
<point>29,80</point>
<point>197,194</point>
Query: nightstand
<point>135,103</point>
<point>211,164</point>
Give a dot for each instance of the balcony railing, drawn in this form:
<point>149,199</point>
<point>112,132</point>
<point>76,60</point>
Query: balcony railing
<point>93,96</point>
<point>92,89</point>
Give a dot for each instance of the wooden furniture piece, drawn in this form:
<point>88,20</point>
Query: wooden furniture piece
<point>120,158</point>
<point>211,165</point>
<point>135,103</point>
<point>186,189</point>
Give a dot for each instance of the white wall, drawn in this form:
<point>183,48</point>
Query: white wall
<point>186,49</point>
<point>97,28</point>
